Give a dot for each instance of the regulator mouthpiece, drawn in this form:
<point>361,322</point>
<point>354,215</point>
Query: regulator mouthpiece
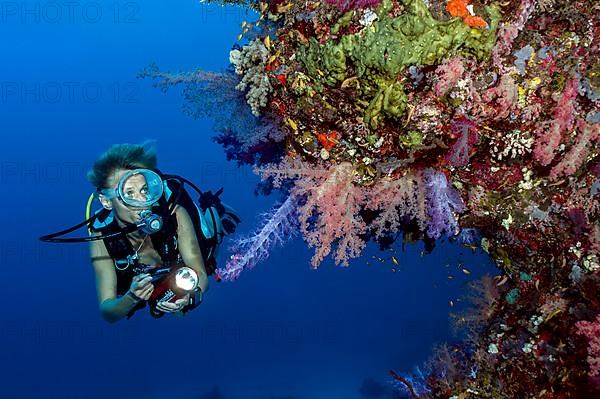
<point>150,223</point>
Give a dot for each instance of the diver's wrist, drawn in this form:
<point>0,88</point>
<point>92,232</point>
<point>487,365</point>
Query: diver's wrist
<point>197,296</point>
<point>134,297</point>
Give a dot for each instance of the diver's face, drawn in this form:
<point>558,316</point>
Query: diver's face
<point>134,187</point>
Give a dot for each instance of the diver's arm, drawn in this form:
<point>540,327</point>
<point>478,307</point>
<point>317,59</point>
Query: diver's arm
<point>189,248</point>
<point>111,307</point>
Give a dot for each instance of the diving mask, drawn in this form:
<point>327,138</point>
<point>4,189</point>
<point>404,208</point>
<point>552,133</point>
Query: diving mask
<point>137,188</point>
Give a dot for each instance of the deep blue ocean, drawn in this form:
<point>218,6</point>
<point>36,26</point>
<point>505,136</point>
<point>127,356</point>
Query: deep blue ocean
<point>283,330</point>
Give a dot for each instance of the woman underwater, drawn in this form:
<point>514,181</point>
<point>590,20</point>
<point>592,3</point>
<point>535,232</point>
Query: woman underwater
<point>150,243</point>
<point>121,291</point>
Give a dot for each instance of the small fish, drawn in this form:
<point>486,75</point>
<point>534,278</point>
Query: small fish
<point>551,315</point>
<point>395,260</point>
<point>466,271</point>
<point>244,23</point>
<point>267,42</point>
<point>283,8</point>
<point>451,303</point>
<point>450,277</point>
<point>504,280</point>
<point>292,124</point>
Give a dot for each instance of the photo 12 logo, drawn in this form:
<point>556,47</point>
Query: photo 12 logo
<point>68,92</point>
<point>68,12</point>
<point>61,332</point>
<point>270,332</point>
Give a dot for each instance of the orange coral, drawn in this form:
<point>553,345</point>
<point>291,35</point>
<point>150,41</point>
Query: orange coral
<point>458,8</point>
<point>328,141</point>
<point>281,78</point>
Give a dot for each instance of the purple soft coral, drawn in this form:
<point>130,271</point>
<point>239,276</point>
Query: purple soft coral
<point>442,202</point>
<point>247,252</point>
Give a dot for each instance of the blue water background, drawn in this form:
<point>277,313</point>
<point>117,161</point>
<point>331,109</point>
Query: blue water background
<point>282,330</point>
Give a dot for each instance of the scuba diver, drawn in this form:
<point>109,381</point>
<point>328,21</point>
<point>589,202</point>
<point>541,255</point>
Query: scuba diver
<point>150,243</point>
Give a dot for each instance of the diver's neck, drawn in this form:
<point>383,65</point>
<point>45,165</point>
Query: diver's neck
<point>135,235</point>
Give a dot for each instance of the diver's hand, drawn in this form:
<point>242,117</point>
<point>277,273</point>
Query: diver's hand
<point>141,286</point>
<point>170,307</point>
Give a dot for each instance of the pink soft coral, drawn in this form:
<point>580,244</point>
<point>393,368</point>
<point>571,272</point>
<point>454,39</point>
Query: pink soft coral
<point>346,5</point>
<point>397,199</point>
<point>507,34</point>
<point>587,134</point>
<point>447,75</point>
<point>336,203</point>
<point>504,94</point>
<point>591,330</point>
<point>329,212</point>
<point>549,137</point>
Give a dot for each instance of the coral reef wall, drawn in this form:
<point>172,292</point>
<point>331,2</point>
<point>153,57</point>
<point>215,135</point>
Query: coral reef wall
<point>436,117</point>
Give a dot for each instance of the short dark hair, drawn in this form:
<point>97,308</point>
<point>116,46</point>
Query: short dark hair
<point>121,156</point>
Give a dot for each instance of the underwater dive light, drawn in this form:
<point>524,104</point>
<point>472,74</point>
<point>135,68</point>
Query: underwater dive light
<point>171,286</point>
